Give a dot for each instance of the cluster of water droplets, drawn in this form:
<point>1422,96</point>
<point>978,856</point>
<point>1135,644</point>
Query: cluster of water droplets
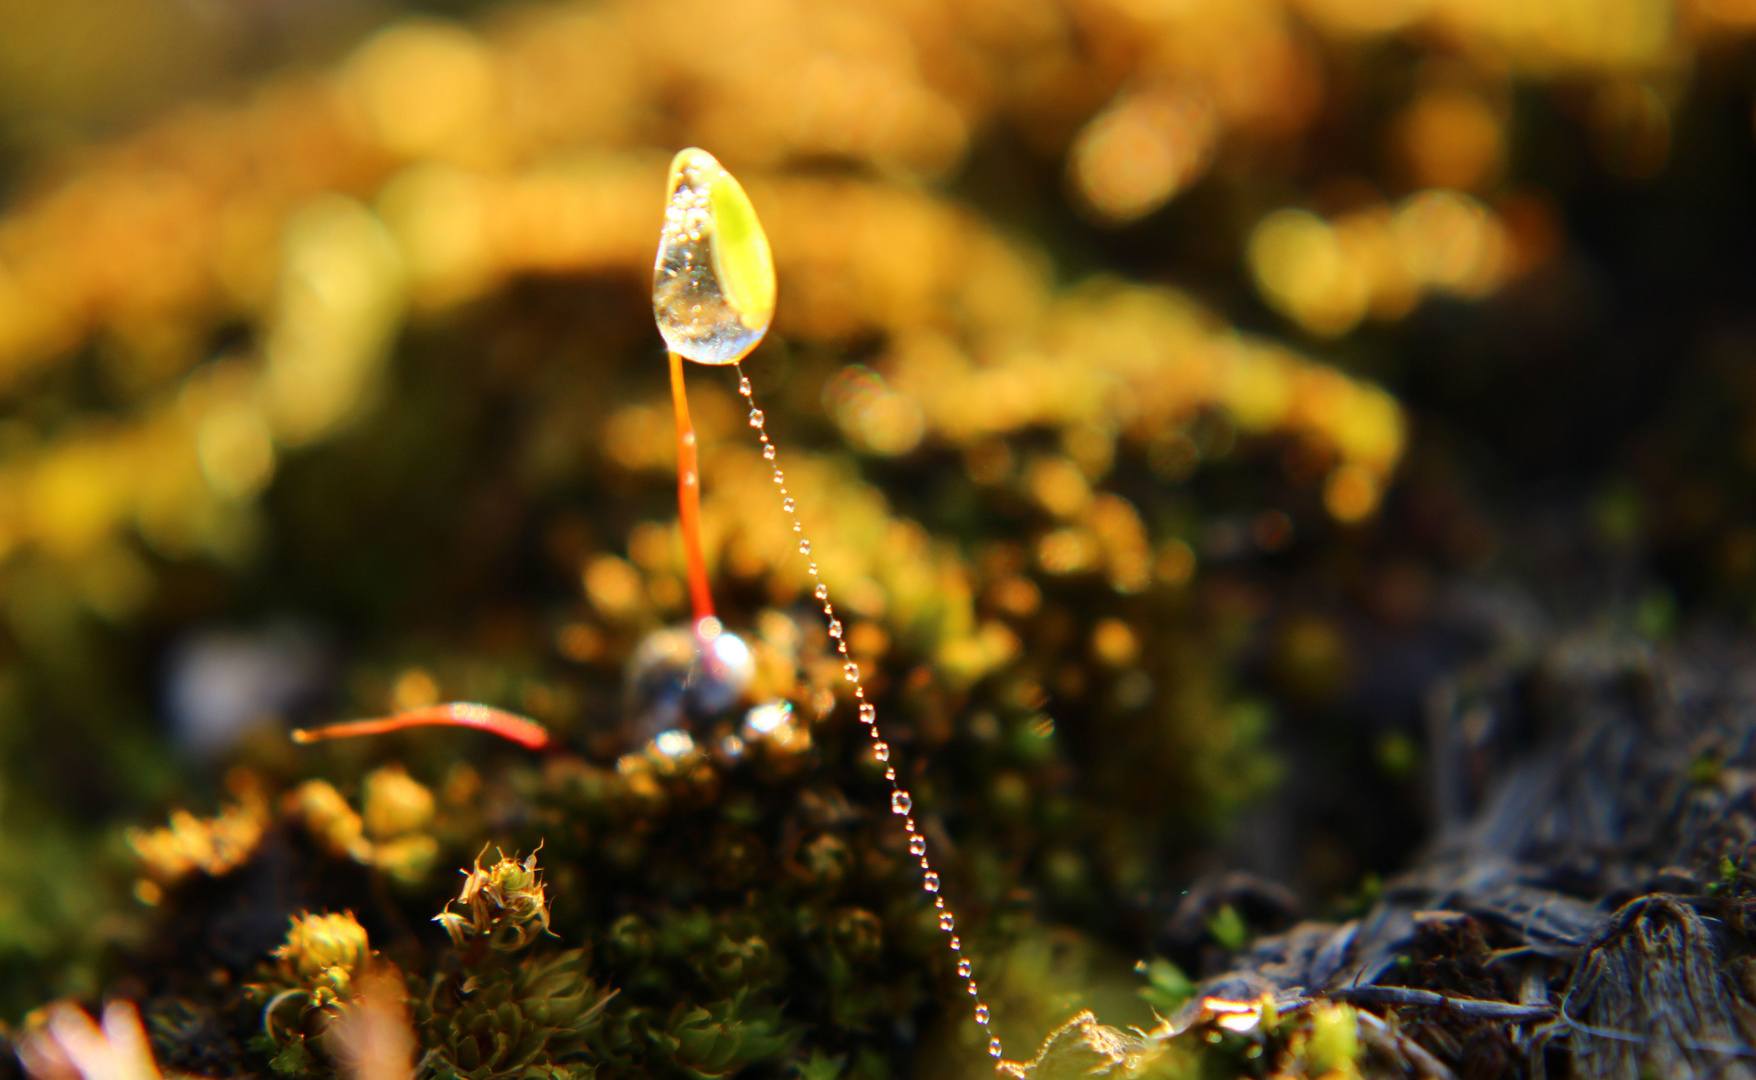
<point>689,304</point>
<point>901,804</point>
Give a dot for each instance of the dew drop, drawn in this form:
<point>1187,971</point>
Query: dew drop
<point>963,969</point>
<point>812,569</point>
<point>768,452</point>
<point>822,592</point>
<point>890,774</point>
<point>756,418</point>
<point>881,751</point>
<point>993,1048</point>
<point>917,845</point>
<point>744,385</point>
<point>798,528</point>
<point>778,478</point>
<point>804,547</point>
<point>939,902</point>
<point>946,922</point>
<point>900,803</point>
<point>835,628</point>
<point>981,1014</point>
<point>787,505</point>
<point>925,865</point>
<point>852,671</point>
<point>956,944</point>
<point>713,277</point>
<point>930,881</point>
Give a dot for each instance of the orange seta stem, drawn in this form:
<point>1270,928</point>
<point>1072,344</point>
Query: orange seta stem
<point>527,733</point>
<point>689,497</point>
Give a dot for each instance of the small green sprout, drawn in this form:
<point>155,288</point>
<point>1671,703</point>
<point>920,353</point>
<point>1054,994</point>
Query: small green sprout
<point>1167,987</point>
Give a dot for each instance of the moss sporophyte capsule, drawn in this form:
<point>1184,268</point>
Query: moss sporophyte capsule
<point>713,288</point>
<point>713,297</point>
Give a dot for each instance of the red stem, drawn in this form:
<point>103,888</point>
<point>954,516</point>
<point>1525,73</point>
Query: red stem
<point>527,733</point>
<point>689,497</point>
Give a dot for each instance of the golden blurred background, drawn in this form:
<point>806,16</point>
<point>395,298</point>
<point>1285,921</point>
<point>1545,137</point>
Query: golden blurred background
<point>1173,368</point>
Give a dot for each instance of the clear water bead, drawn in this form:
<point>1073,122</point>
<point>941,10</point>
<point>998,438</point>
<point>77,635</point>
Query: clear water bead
<point>768,452</point>
<point>900,803</point>
<point>993,1048</point>
<point>744,385</point>
<point>691,300</point>
<point>890,774</point>
<point>852,671</point>
<point>804,547</point>
<point>881,751</point>
<point>930,881</point>
<point>756,418</point>
<point>946,922</point>
<point>917,845</point>
<point>956,944</point>
<point>868,714</point>
<point>835,628</point>
<point>981,1014</point>
<point>822,592</point>
<point>963,969</point>
<point>778,477</point>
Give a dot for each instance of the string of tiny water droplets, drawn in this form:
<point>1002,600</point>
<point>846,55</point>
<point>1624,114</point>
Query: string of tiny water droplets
<point>900,803</point>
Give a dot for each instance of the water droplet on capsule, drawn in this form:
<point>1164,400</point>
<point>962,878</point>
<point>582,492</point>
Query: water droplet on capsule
<point>900,803</point>
<point>713,276</point>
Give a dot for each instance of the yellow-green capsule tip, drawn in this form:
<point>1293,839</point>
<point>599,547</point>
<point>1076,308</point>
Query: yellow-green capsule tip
<point>713,279</point>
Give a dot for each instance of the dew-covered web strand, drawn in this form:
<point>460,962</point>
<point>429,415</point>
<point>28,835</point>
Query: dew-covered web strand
<point>900,802</point>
